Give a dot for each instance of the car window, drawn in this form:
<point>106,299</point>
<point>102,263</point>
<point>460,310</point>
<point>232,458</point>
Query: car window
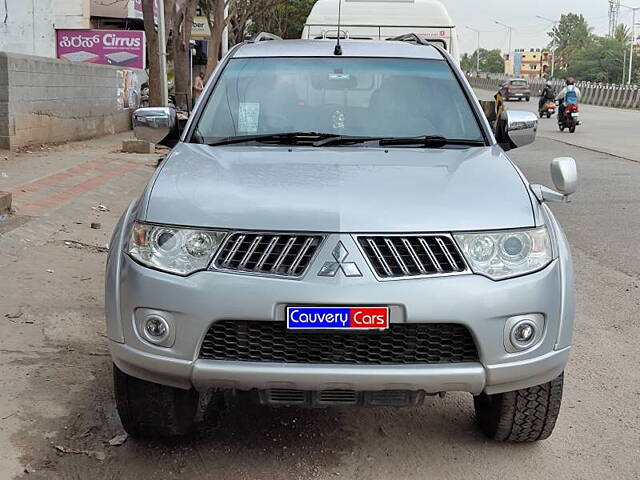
<point>346,96</point>
<point>519,83</point>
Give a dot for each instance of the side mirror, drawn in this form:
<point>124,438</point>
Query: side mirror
<point>516,129</point>
<point>155,124</point>
<point>564,174</point>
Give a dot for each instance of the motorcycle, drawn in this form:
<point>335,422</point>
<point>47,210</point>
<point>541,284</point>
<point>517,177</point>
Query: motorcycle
<point>548,109</point>
<point>570,118</point>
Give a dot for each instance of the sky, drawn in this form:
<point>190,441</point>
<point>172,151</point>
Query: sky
<point>528,31</point>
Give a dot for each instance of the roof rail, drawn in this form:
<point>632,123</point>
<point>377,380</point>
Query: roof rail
<point>411,38</point>
<point>262,37</point>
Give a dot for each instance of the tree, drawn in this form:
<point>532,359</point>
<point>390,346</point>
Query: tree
<point>153,55</point>
<point>622,34</point>
<point>570,35</point>
<point>180,21</point>
<point>603,60</point>
<point>214,12</point>
<point>491,61</point>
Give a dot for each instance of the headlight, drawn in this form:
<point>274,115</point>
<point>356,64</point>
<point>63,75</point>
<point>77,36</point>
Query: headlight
<point>500,255</point>
<point>175,250</point>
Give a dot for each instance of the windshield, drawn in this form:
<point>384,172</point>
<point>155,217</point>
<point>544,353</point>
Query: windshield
<point>341,96</point>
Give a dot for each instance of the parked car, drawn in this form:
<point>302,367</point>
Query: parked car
<point>516,89</point>
<point>340,228</point>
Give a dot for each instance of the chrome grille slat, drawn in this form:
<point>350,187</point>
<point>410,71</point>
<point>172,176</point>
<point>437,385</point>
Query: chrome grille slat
<point>407,256</point>
<point>397,256</point>
<point>233,251</point>
<point>446,253</point>
<point>252,249</point>
<point>300,256</point>
<point>380,257</point>
<point>267,253</point>
<point>429,252</point>
<point>414,255</point>
<point>283,254</point>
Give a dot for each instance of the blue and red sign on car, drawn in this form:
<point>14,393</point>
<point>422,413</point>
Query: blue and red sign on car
<point>353,318</point>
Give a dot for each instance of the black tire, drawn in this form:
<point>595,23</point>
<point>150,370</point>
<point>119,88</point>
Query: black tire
<point>152,410</point>
<point>562,127</point>
<point>525,415</point>
<point>572,126</point>
<point>548,115</point>
<point>528,99</point>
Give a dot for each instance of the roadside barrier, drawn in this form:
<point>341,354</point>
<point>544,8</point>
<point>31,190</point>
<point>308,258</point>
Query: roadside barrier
<point>605,95</point>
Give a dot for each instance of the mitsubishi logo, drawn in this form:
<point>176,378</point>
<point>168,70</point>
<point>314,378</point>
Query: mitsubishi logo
<point>340,254</point>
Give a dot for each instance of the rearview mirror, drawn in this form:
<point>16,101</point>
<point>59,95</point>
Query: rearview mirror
<point>154,124</point>
<point>516,129</point>
<point>564,174</point>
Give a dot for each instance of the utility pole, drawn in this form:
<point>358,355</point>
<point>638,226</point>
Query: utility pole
<point>554,46</point>
<point>477,51</point>
<point>162,47</point>
<point>510,28</point>
<point>633,40</point>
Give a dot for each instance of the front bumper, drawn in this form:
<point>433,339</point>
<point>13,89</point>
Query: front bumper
<point>465,377</point>
<point>194,303</point>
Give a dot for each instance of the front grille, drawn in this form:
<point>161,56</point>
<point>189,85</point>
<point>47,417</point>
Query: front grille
<point>384,398</point>
<point>268,253</point>
<point>403,343</point>
<point>412,255</point>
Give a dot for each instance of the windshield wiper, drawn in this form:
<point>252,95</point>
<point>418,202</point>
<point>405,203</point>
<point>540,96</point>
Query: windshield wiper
<point>345,140</point>
<point>281,138</point>
<point>430,141</point>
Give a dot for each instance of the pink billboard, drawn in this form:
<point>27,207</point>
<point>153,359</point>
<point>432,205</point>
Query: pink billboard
<point>124,48</point>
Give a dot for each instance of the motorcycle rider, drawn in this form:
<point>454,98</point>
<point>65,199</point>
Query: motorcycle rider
<point>548,94</point>
<point>569,95</point>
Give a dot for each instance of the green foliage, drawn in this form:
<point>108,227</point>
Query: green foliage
<point>570,35</point>
<point>589,57</point>
<point>491,61</point>
<point>603,60</point>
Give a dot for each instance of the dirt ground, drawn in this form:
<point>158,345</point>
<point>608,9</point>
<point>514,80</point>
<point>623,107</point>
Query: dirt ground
<point>57,412</point>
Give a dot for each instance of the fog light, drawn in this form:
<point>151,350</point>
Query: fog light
<point>523,334</point>
<point>156,328</point>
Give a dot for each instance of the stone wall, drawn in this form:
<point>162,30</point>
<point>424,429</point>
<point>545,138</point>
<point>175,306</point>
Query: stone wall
<point>606,95</point>
<point>45,100</point>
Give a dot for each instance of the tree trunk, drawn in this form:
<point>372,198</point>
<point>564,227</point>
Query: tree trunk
<point>182,52</point>
<point>216,25</point>
<point>152,53</point>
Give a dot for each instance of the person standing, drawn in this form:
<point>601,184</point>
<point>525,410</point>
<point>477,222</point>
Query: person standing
<point>198,86</point>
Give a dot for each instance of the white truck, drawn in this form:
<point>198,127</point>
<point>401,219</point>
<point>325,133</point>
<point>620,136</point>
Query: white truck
<point>383,19</point>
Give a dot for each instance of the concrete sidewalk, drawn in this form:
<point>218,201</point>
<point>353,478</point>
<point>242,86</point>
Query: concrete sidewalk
<point>51,283</point>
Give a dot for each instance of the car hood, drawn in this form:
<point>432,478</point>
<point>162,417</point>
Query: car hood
<point>341,189</point>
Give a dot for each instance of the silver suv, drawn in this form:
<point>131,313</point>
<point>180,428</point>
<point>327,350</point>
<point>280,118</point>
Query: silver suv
<point>340,228</point>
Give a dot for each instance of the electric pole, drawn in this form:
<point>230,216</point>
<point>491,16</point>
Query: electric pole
<point>553,43</point>
<point>477,50</point>
<point>510,34</point>
<point>634,10</point>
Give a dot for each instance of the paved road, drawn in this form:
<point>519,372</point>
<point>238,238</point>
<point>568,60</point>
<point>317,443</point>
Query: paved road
<point>609,130</point>
<point>55,385</point>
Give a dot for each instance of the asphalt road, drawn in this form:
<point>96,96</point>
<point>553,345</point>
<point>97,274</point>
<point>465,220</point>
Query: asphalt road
<point>55,385</point>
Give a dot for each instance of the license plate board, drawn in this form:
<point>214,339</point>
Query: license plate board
<point>337,318</point>
<point>575,114</point>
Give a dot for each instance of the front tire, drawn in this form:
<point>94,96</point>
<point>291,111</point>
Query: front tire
<point>152,410</point>
<point>525,415</point>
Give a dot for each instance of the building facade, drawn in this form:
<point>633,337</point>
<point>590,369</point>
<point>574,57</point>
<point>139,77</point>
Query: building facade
<point>532,63</point>
<point>30,26</point>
